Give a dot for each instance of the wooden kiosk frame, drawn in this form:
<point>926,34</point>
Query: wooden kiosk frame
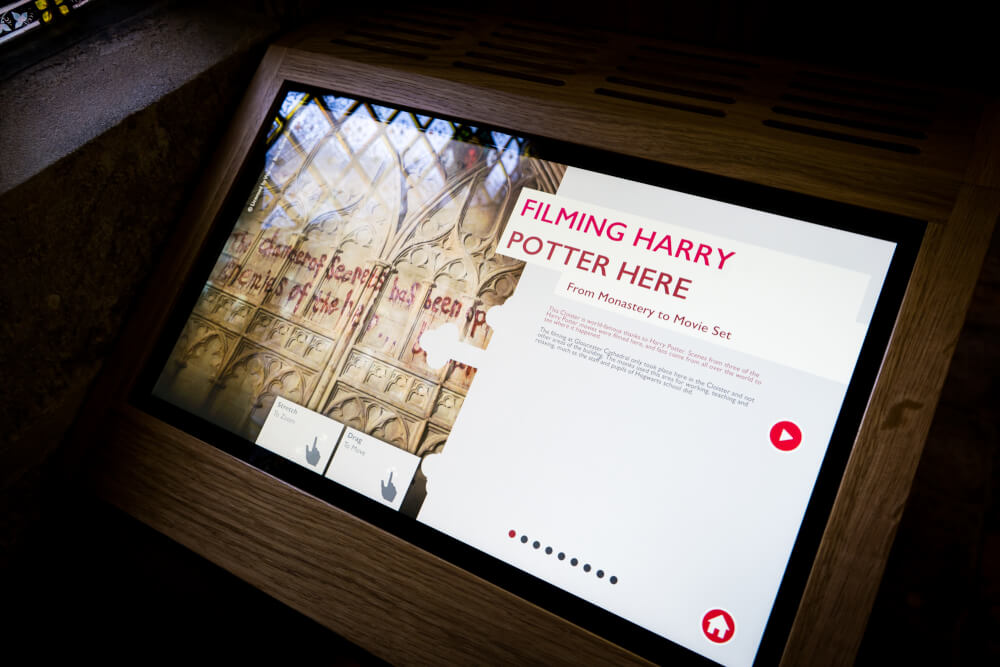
<point>933,157</point>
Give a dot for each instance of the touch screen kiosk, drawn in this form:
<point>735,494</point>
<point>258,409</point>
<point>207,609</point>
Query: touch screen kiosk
<point>477,360</point>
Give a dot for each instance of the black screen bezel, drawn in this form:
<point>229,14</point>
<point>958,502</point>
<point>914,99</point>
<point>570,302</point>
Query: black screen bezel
<point>907,233</point>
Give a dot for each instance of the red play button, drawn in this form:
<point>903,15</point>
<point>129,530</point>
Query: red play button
<point>786,436</point>
<point>718,626</point>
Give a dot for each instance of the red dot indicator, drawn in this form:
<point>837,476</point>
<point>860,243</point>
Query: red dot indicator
<point>511,534</point>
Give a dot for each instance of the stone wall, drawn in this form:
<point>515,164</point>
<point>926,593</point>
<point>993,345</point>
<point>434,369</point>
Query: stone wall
<point>81,232</point>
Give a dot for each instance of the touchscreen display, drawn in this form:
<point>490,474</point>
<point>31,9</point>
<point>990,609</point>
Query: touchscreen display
<point>619,388</point>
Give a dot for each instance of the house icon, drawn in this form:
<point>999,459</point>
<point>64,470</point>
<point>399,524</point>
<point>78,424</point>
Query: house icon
<point>718,626</point>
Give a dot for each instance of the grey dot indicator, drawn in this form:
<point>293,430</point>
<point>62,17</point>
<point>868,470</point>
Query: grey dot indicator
<point>587,567</point>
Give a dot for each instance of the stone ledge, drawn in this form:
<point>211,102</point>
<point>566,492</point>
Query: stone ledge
<point>54,107</point>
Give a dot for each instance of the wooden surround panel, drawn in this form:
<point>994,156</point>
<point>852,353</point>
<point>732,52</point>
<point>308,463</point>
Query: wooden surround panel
<point>926,153</point>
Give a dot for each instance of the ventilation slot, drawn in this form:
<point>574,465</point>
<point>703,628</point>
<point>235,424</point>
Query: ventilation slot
<point>531,53</point>
<point>436,25</point>
<point>568,36</point>
<point>846,122</point>
<point>660,102</point>
<point>379,49</point>
<point>453,16</point>
<point>633,83</point>
<point>901,92</point>
<point>416,32</point>
<point>660,75</point>
<point>871,112</point>
<point>828,106</point>
<point>703,57</point>
<point>510,74</point>
<point>840,136</point>
<point>859,95</point>
<point>686,68</point>
<point>546,44</point>
<point>506,60</point>
<point>393,40</point>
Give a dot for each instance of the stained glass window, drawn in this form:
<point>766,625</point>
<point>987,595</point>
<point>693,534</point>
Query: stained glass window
<point>20,18</point>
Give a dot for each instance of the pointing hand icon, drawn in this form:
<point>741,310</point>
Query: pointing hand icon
<point>388,489</point>
<point>312,455</point>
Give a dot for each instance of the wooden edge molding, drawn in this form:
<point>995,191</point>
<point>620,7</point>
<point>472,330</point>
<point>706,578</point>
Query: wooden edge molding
<point>984,167</point>
<point>855,548</point>
<point>852,556</point>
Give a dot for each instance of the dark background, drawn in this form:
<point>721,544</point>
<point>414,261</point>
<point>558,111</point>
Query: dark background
<point>88,199</point>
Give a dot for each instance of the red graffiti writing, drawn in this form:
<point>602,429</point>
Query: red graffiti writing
<point>402,296</point>
<point>270,247</point>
